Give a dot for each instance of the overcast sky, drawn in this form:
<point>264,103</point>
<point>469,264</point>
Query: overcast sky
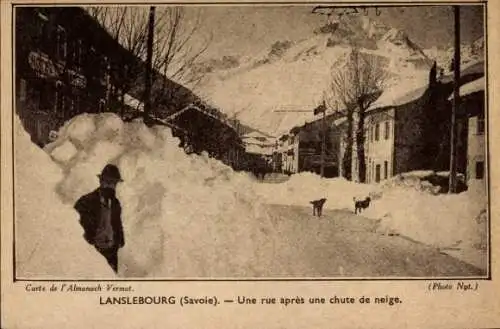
<point>244,30</point>
<point>240,30</point>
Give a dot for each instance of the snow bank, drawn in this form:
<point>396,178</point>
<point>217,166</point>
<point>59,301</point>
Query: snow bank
<point>48,237</point>
<point>409,207</point>
<point>183,215</point>
<point>425,181</point>
<point>304,187</point>
<point>444,221</point>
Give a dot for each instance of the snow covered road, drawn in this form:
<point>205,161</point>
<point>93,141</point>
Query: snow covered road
<point>340,244</point>
<point>190,216</point>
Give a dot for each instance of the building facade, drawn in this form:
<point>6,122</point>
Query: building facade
<point>472,108</point>
<point>66,64</point>
<point>412,132</point>
<point>379,145</point>
<point>301,148</point>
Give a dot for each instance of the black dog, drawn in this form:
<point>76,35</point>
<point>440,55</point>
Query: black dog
<point>318,206</point>
<point>361,204</point>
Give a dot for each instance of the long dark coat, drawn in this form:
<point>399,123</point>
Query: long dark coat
<point>89,208</point>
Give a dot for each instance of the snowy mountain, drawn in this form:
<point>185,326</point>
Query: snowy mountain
<point>280,86</point>
<point>469,54</point>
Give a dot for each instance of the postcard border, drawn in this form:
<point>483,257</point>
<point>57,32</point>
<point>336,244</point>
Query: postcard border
<point>383,4</point>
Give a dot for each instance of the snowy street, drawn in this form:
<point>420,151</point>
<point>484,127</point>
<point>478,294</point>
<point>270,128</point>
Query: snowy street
<point>198,218</point>
<point>343,244</point>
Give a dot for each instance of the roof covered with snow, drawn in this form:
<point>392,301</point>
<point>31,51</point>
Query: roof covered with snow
<point>399,95</point>
<point>257,134</point>
<point>471,87</point>
<point>258,149</point>
<point>256,141</point>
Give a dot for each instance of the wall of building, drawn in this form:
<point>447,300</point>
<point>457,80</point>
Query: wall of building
<point>419,136</point>
<point>379,146</point>
<point>289,154</point>
<point>64,65</point>
<point>67,64</point>
<point>473,106</point>
<point>476,151</point>
<point>411,133</point>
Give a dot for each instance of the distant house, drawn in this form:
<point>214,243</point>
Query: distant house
<point>259,143</point>
<point>288,147</point>
<point>301,147</point>
<point>473,110</point>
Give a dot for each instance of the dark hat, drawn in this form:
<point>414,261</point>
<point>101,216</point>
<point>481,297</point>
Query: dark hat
<point>111,171</point>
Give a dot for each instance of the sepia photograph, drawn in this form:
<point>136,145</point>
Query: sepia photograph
<point>250,142</point>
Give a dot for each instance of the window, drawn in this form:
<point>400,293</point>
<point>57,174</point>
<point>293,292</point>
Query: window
<point>22,90</point>
<point>77,105</point>
<point>386,169</point>
<point>39,27</point>
<point>71,107</point>
<point>61,45</point>
<point>368,169</point>
<point>386,132</point>
<point>59,100</point>
<point>102,103</point>
<point>106,66</point>
<point>77,52</point>
<point>480,125</point>
<point>41,31</point>
<point>377,173</point>
<point>377,132</point>
<point>479,169</point>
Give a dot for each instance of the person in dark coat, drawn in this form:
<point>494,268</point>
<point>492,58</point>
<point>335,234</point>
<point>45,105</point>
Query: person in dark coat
<point>100,216</point>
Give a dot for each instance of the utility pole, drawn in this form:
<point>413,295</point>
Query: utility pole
<point>149,60</point>
<point>323,142</point>
<point>452,188</point>
<point>322,109</point>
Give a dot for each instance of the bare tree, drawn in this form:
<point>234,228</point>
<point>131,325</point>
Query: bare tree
<point>357,85</point>
<point>176,48</point>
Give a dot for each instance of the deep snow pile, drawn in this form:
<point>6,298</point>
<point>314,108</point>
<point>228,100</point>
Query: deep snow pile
<point>304,187</point>
<point>183,215</point>
<point>424,180</point>
<point>446,220</point>
<point>48,237</point>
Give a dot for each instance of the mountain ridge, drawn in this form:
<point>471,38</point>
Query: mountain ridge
<point>291,75</point>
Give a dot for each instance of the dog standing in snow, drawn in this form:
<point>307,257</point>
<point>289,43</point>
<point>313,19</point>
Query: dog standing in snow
<point>318,206</point>
<point>361,204</point>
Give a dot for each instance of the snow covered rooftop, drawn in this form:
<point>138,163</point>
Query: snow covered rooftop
<point>133,102</point>
<point>258,149</point>
<point>399,95</point>
<point>340,121</point>
<point>256,134</point>
<point>471,87</point>
<point>255,141</point>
